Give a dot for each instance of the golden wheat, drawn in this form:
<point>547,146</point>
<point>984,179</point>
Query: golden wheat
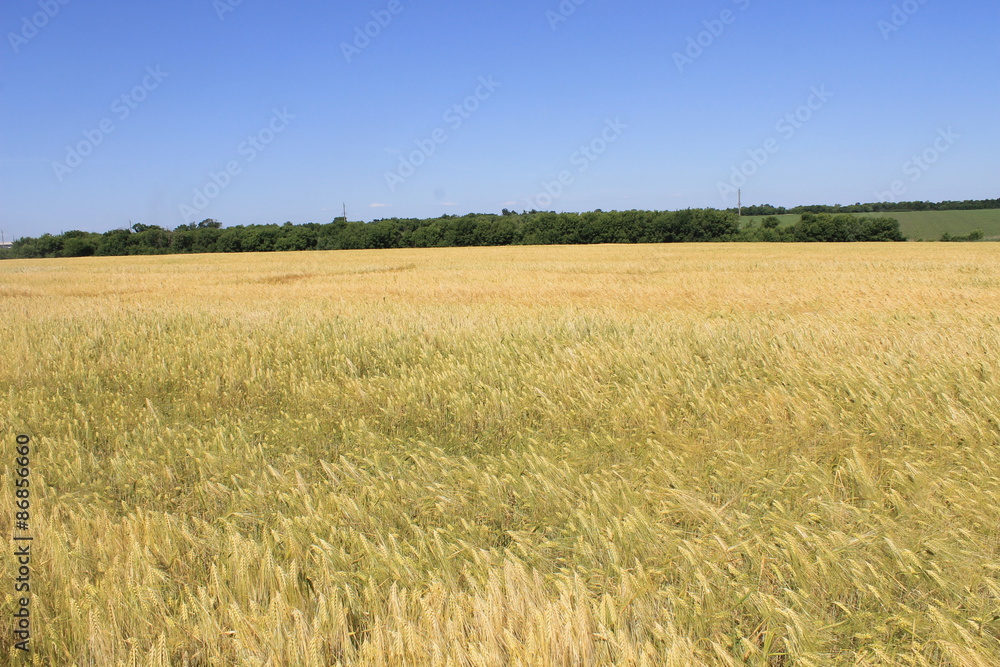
<point>655,455</point>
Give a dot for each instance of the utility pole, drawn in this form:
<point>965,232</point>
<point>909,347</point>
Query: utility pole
<point>739,201</point>
<point>345,212</point>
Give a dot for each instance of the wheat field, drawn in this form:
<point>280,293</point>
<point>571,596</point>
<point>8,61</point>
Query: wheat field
<point>612,455</point>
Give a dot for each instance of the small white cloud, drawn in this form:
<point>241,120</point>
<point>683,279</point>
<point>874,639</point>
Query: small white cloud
<point>377,205</point>
<point>448,203</point>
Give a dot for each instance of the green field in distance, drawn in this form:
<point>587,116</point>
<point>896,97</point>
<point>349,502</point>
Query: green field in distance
<point>929,225</point>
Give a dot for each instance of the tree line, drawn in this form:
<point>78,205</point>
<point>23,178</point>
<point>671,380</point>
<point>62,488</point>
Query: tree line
<point>824,227</point>
<point>507,228</point>
<point>876,207</point>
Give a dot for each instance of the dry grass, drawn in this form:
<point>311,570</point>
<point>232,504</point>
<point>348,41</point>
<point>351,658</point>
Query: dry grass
<point>657,455</point>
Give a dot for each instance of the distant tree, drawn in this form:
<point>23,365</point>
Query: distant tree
<point>152,240</point>
<point>296,238</point>
<point>79,244</point>
<point>49,245</point>
<point>115,242</point>
<point>205,239</point>
<point>231,240</point>
<point>182,241</point>
<point>976,235</point>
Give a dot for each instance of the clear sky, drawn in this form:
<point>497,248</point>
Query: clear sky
<point>250,111</point>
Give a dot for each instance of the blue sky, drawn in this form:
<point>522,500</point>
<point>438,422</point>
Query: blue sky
<point>259,112</point>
